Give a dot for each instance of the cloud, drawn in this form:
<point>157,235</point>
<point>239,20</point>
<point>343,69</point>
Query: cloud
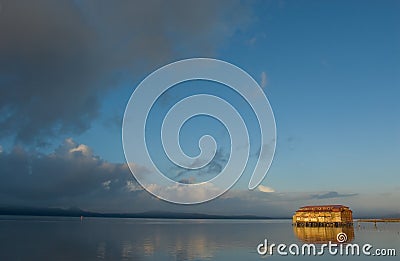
<point>71,176</point>
<point>265,189</point>
<point>253,40</point>
<point>211,170</point>
<point>66,174</point>
<point>190,180</point>
<point>132,186</point>
<point>60,58</point>
<point>331,194</point>
<point>180,193</point>
<point>67,178</point>
<point>264,80</point>
<point>106,184</point>
<point>82,148</point>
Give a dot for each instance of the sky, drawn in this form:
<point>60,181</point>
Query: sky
<point>330,70</point>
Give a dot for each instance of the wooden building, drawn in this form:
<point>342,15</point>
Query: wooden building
<point>323,216</point>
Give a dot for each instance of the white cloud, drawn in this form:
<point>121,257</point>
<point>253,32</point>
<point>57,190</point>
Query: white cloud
<point>106,184</point>
<point>183,193</point>
<point>84,149</point>
<point>265,189</point>
<point>264,80</point>
<point>1,149</point>
<point>132,186</point>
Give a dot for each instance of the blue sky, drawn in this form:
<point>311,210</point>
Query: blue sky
<point>330,69</point>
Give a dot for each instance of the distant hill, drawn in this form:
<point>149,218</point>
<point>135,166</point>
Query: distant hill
<point>76,212</point>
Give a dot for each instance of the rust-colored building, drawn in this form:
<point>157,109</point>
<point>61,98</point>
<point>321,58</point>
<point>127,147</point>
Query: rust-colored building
<point>323,216</point>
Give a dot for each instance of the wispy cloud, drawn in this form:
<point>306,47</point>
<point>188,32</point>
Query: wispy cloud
<point>257,37</point>
<point>265,189</point>
<point>212,169</point>
<point>264,80</point>
<point>332,194</point>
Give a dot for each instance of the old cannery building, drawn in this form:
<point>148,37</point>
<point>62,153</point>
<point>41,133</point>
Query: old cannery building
<point>323,216</point>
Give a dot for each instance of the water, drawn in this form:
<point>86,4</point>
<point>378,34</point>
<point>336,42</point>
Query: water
<point>58,238</point>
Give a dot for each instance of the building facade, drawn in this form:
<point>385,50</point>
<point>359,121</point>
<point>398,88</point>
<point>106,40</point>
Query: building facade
<point>323,216</point>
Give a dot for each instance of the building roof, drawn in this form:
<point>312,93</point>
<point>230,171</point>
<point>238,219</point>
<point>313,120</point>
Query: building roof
<point>332,206</point>
<point>317,208</point>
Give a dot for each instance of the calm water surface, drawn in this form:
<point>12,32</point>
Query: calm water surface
<point>56,238</point>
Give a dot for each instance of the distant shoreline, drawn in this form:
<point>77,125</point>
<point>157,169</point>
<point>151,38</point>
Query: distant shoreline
<point>76,212</point>
<point>380,220</point>
<point>59,212</point>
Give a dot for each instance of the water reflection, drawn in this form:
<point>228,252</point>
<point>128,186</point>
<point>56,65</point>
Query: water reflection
<point>41,238</point>
<point>320,235</point>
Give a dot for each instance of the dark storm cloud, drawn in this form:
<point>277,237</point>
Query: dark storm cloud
<point>331,194</point>
<point>72,171</point>
<point>72,176</point>
<point>57,58</point>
